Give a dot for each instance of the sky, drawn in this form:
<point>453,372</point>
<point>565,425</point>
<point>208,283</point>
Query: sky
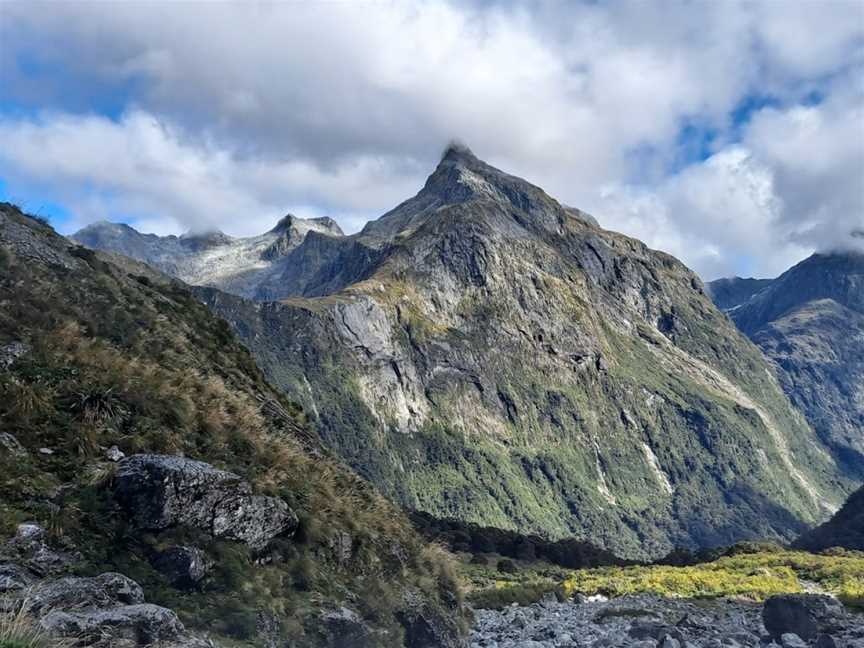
<point>730,134</point>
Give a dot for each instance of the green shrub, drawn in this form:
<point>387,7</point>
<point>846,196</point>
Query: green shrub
<point>506,566</point>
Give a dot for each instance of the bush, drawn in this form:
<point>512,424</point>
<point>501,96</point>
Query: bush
<point>522,594</point>
<point>506,566</point>
<point>479,559</point>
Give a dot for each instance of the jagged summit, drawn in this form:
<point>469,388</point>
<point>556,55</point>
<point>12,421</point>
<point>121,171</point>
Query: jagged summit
<point>323,224</point>
<point>459,178</point>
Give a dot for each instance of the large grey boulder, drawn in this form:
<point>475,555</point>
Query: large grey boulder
<point>75,593</point>
<point>161,491</point>
<point>142,623</point>
<point>806,615</point>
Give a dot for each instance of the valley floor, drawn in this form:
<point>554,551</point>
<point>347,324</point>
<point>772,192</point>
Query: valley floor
<point>645,621</point>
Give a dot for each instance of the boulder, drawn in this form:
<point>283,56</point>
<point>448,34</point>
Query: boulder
<point>338,627</point>
<point>9,353</point>
<point>160,491</point>
<point>75,593</point>
<point>426,626</point>
<point>11,446</point>
<point>29,547</point>
<point>805,615</point>
<point>184,567</point>
<point>14,578</point>
<point>142,624</point>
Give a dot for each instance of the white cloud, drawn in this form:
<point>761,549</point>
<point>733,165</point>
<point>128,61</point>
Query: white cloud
<point>233,113</point>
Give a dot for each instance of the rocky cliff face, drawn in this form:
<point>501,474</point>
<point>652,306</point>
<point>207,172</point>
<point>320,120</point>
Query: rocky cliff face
<point>810,323</point>
<point>156,487</point>
<point>484,353</point>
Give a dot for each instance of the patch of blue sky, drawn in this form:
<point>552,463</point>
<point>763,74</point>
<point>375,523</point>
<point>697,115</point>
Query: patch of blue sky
<point>38,84</point>
<point>38,205</point>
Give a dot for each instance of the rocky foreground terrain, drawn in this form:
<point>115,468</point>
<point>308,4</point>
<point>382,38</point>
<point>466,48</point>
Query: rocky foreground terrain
<point>789,621</point>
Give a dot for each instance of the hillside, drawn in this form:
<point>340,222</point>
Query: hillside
<point>483,353</point>
<point>810,323</point>
<point>269,541</point>
<point>845,529</point>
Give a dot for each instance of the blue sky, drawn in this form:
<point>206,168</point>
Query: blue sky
<point>729,134</point>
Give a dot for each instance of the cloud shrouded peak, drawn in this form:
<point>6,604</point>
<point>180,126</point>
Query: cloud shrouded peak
<point>726,133</point>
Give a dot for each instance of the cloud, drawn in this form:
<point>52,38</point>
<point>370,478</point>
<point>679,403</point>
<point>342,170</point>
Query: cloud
<point>146,172</point>
<point>182,115</point>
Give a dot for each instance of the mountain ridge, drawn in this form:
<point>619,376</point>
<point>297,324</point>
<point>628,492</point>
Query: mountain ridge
<point>810,323</point>
<point>496,357</point>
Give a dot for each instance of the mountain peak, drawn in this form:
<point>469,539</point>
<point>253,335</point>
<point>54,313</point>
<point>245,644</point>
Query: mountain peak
<point>458,152</point>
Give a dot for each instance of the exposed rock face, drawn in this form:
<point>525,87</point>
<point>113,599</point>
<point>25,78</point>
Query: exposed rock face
<point>240,265</point>
<point>810,323</point>
<point>502,360</point>
<point>845,529</point>
<point>162,491</point>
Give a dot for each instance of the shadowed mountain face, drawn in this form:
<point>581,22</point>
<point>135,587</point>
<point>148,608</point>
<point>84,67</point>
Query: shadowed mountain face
<point>484,353</point>
<point>810,323</point>
<point>844,529</point>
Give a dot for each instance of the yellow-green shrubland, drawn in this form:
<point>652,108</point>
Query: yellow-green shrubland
<point>753,576</point>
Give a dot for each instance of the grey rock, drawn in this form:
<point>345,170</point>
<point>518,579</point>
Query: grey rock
<point>29,547</point>
<point>114,454</point>
<point>790,640</point>
<point>184,567</point>
<point>161,491</point>
<point>10,353</point>
<point>14,578</point>
<point>10,445</point>
<point>142,624</point>
<point>825,641</point>
<point>806,615</point>
<point>341,627</point>
<point>73,593</point>
<point>46,451</point>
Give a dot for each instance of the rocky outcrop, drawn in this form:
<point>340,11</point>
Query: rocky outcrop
<point>107,610</point>
<point>162,491</point>
<point>141,624</point>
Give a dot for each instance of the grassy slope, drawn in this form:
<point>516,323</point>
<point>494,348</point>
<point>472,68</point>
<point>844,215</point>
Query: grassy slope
<point>138,362</point>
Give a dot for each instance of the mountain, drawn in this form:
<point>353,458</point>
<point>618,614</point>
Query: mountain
<point>483,353</point>
<point>240,265</point>
<point>845,529</point>
<point>731,292</point>
<point>810,323</point>
<point>226,514</point>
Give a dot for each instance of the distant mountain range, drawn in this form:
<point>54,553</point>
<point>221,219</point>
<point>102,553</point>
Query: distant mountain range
<point>484,353</point>
<point>810,323</point>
